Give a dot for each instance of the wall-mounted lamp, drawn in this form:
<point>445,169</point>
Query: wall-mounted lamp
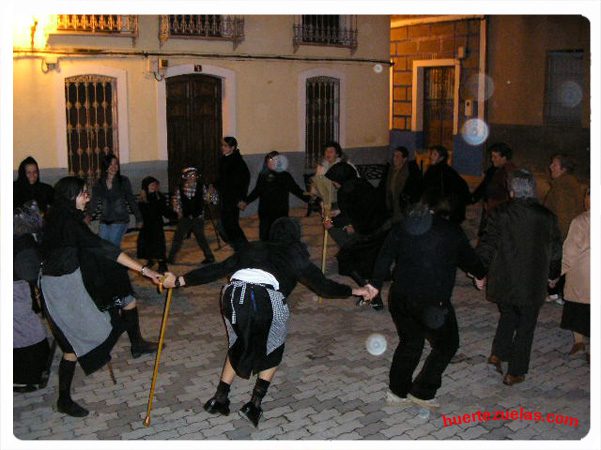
<point>158,68</point>
<point>50,63</point>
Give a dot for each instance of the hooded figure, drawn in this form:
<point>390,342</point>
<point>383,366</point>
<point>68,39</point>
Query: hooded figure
<point>262,275</point>
<point>361,226</point>
<point>28,186</point>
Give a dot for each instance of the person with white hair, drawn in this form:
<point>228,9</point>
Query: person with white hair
<point>521,250</point>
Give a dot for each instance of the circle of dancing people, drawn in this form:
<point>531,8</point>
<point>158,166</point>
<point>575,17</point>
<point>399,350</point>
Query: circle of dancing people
<point>406,230</point>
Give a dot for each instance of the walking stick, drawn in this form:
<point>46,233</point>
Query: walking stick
<point>324,251</point>
<point>159,350</point>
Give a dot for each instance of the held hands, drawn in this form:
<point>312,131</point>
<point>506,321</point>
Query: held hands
<point>170,280</point>
<point>552,283</point>
<point>327,223</point>
<point>155,277</point>
<point>241,206</point>
<point>349,229</point>
<point>368,292</point>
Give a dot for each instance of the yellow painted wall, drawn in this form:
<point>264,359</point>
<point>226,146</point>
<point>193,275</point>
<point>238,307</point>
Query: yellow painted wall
<point>267,91</point>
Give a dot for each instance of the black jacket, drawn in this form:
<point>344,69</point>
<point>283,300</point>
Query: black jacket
<point>521,248</point>
<point>115,203</point>
<point>65,236</point>
<point>272,190</point>
<point>359,204</point>
<point>426,250</point>
<point>285,257</point>
<point>233,180</point>
<point>441,180</point>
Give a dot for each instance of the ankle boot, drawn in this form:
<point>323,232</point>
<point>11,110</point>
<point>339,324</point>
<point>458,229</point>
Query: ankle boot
<point>65,404</point>
<point>139,346</point>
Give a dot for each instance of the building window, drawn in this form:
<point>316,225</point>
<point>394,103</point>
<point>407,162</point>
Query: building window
<point>91,111</point>
<point>563,88</point>
<point>101,24</point>
<point>322,117</point>
<point>228,28</point>
<point>330,30</point>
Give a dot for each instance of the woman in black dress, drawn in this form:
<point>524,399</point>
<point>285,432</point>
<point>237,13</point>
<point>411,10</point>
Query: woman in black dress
<point>253,304</point>
<point>82,331</point>
<point>273,189</point>
<point>151,239</point>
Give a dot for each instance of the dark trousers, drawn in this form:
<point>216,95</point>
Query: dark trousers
<point>230,221</point>
<point>513,339</point>
<point>184,226</point>
<point>412,331</point>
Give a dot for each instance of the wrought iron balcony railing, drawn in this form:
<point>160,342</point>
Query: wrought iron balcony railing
<point>98,24</point>
<point>326,30</point>
<point>226,28</point>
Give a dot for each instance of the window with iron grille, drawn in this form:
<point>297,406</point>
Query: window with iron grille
<point>91,113</point>
<point>322,117</point>
<point>229,28</point>
<point>97,23</point>
<point>329,30</point>
<point>563,88</point>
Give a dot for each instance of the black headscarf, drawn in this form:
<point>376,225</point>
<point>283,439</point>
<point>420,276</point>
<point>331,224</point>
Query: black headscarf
<point>341,173</point>
<point>287,233</point>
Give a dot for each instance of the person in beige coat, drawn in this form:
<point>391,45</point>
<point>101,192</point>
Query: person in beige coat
<point>576,267</point>
<point>564,199</point>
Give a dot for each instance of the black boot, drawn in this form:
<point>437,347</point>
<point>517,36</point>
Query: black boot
<point>252,410</point>
<point>219,403</point>
<point>139,346</point>
<point>65,404</point>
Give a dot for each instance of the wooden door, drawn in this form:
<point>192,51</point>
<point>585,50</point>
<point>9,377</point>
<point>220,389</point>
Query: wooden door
<point>438,107</point>
<point>194,125</point>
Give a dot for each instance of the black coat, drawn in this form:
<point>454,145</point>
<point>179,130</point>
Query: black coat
<point>426,250</point>
<point>151,238</point>
<point>233,180</point>
<point>273,190</point>
<point>360,206</point>
<point>442,181</point>
<point>521,248</point>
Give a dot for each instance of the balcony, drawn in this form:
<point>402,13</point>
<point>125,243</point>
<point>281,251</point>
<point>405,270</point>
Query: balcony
<point>113,25</point>
<point>211,27</point>
<point>325,30</point>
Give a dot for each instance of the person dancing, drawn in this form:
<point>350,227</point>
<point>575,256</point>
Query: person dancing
<point>83,333</point>
<point>253,304</point>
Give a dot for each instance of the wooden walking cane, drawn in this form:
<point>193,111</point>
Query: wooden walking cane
<point>159,350</point>
<point>324,251</point>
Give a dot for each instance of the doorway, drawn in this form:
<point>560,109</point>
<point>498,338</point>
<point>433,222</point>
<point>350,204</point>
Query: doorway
<point>194,125</point>
<point>438,107</point>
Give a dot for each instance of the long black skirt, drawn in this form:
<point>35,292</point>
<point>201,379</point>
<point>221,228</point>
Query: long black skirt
<point>248,319</point>
<point>576,317</point>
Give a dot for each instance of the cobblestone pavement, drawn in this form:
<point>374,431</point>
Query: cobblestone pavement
<point>328,386</point>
